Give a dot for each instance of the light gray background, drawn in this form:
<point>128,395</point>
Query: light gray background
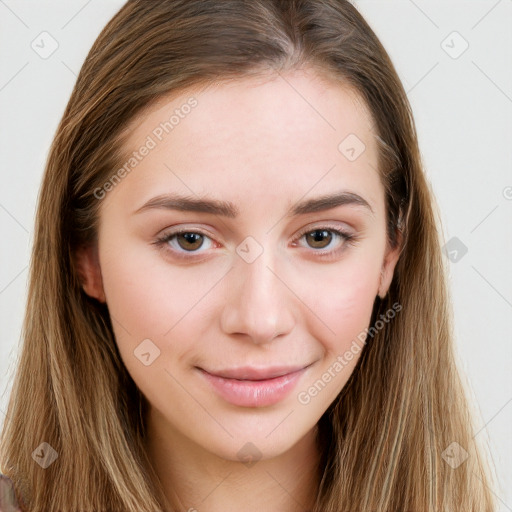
<point>463,110</point>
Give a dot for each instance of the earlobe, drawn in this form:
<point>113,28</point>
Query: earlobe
<point>89,272</point>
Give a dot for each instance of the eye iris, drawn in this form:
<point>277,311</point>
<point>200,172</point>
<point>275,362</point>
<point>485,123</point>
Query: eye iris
<point>191,240</point>
<point>319,236</point>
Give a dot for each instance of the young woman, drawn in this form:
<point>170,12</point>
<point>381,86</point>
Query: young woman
<point>237,296</point>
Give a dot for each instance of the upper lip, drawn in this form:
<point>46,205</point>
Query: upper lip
<point>252,373</point>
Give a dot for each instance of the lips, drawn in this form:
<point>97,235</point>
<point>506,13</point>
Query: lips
<point>254,387</point>
<point>251,373</point>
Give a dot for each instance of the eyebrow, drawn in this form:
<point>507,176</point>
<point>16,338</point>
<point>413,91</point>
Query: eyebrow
<point>227,209</point>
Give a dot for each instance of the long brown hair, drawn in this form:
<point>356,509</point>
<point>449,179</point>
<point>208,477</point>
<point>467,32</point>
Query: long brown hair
<point>385,437</point>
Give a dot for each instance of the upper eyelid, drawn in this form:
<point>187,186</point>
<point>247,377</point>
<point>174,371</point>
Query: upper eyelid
<point>319,225</point>
<point>326,225</point>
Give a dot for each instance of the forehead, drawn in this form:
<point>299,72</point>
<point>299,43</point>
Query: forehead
<point>284,131</point>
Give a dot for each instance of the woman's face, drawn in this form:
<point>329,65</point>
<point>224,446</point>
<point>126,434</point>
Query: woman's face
<point>239,330</point>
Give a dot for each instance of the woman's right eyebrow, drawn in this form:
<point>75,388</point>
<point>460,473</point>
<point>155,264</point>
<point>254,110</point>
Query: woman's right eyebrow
<point>228,209</point>
<point>190,204</point>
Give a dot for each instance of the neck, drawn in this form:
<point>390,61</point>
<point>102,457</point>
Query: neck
<point>196,480</point>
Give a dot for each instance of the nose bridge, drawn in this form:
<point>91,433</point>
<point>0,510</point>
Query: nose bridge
<point>258,304</point>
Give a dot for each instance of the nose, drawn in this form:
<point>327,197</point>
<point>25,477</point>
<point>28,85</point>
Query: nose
<point>258,303</point>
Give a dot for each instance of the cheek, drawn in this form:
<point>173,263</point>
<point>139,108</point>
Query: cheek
<point>139,301</point>
<point>353,302</point>
<point>148,298</point>
<point>151,305</point>
<point>141,293</point>
<point>345,300</point>
<point>344,309</point>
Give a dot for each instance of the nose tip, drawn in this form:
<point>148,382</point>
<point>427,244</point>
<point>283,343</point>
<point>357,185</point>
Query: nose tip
<point>258,304</point>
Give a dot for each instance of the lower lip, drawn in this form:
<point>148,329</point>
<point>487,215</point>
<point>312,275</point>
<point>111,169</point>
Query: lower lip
<point>254,393</point>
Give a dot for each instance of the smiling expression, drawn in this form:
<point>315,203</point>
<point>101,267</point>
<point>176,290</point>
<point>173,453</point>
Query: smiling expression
<point>242,255</point>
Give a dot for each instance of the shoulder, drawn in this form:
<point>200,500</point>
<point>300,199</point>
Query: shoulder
<point>8,501</point>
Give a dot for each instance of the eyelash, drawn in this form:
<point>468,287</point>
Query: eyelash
<point>348,239</point>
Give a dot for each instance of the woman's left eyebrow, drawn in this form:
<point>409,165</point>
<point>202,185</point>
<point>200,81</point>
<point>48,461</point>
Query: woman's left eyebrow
<point>329,201</point>
<point>228,209</point>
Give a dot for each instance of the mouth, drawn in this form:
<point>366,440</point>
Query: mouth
<point>254,387</point>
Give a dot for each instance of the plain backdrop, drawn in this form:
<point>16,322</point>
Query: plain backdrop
<point>455,61</point>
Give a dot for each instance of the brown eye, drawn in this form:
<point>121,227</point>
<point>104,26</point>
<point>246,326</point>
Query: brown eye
<point>319,238</point>
<point>185,244</point>
<point>189,241</point>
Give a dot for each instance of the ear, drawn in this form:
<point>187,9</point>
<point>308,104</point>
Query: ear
<point>89,271</point>
<point>388,266</point>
